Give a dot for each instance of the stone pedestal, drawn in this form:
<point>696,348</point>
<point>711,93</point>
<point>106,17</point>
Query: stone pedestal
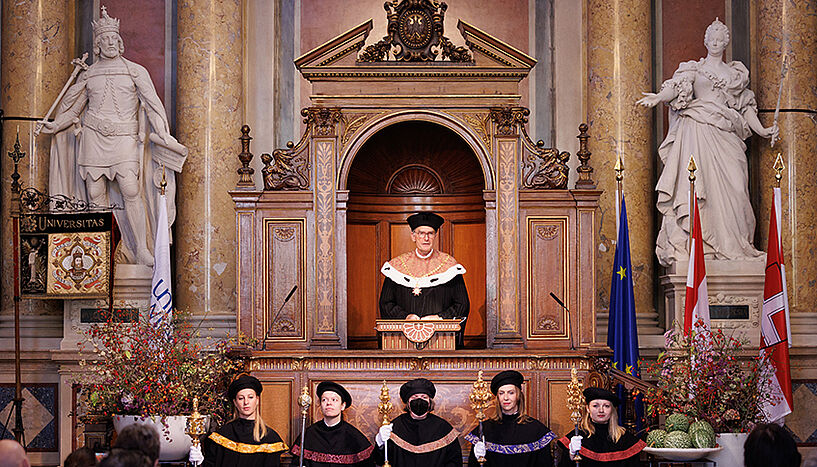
<point>735,290</point>
<point>131,292</point>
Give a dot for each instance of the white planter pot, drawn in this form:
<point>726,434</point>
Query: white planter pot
<point>174,442</point>
<point>732,453</point>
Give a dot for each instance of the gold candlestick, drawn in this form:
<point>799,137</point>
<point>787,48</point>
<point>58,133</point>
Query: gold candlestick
<point>480,399</point>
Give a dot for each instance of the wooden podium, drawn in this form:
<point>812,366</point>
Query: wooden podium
<point>437,334</point>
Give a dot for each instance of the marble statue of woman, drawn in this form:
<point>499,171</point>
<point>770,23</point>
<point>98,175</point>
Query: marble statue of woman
<point>712,111</point>
<point>112,143</point>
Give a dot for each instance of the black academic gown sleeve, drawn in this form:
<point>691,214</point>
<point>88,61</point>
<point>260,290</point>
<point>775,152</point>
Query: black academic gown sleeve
<point>599,450</point>
<point>430,442</point>
<point>233,445</point>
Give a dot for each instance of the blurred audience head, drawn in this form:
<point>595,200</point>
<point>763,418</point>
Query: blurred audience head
<point>125,458</point>
<point>82,457</point>
<point>769,445</point>
<point>142,438</point>
<point>12,454</point>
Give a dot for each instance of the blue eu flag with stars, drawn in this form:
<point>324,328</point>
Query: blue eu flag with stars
<point>622,335</point>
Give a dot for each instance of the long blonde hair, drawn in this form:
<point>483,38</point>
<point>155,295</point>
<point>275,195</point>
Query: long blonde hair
<point>614,430</point>
<point>520,405</point>
<point>259,429</point>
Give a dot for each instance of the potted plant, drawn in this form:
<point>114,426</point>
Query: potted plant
<point>150,373</point>
<point>710,376</point>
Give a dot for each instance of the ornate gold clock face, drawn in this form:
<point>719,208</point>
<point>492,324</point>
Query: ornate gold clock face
<point>415,28</point>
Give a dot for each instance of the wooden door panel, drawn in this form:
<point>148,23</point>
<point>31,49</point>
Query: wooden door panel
<point>468,241</point>
<point>363,279</point>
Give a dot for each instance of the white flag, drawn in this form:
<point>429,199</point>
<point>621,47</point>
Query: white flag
<point>161,298</point>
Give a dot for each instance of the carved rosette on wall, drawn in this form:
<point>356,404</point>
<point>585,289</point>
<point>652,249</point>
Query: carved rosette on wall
<point>415,34</point>
<point>542,168</point>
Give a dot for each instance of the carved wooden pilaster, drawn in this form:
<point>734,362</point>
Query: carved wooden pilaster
<point>508,326</point>
<point>326,320</point>
<point>507,120</point>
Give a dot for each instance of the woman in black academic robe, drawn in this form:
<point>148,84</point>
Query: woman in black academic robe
<point>245,441</point>
<point>601,441</point>
<point>512,438</point>
<point>418,438</point>
<point>331,441</point>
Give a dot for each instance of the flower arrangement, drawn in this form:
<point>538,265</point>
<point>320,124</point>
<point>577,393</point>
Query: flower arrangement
<point>139,368</point>
<point>708,375</point>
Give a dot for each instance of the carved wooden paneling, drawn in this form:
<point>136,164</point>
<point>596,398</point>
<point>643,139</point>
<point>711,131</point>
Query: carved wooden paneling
<point>284,267</point>
<point>325,321</point>
<point>508,265</point>
<point>363,373</point>
<point>547,271</point>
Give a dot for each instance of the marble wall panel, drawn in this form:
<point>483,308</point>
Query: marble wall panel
<point>788,28</point>
<point>37,46</point>
<point>619,70</point>
<point>209,115</point>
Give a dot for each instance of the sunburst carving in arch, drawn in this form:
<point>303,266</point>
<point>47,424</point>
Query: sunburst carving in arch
<point>415,179</point>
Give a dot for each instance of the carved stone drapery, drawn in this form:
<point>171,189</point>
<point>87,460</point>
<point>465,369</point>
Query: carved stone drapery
<point>415,34</point>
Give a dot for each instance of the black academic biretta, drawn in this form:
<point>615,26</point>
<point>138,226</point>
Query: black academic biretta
<point>417,386</point>
<point>244,381</point>
<point>337,389</point>
<point>591,394</point>
<point>506,377</point>
<point>425,218</point>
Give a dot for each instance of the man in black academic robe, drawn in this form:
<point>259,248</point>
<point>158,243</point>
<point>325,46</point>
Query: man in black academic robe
<point>514,439</point>
<point>424,283</point>
<point>331,441</point>
<point>419,438</point>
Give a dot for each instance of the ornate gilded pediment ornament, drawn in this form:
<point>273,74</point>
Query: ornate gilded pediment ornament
<point>415,34</point>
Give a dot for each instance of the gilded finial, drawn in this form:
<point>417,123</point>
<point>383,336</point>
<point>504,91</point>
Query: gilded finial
<point>692,167</point>
<point>619,168</point>
<point>385,405</point>
<point>779,167</point>
<point>305,400</point>
<point>163,185</point>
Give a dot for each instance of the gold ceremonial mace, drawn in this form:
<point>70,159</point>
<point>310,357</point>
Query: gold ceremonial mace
<point>691,168</point>
<point>195,423</point>
<point>383,408</point>
<point>574,405</point>
<point>480,399</point>
<point>304,400</point>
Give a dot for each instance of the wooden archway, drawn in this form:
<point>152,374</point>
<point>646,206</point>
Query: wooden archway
<point>403,168</point>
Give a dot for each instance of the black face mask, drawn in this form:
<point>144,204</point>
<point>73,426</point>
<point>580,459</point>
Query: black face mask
<point>419,407</point>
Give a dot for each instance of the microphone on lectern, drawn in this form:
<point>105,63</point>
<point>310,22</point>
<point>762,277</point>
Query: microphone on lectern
<point>275,316</point>
<point>569,327</point>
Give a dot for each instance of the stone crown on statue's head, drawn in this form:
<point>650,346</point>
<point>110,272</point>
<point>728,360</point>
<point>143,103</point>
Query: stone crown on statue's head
<point>105,23</point>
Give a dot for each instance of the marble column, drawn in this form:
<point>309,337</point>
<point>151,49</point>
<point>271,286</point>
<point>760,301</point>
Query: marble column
<point>209,117</point>
<point>788,28</point>
<point>619,60</point>
<point>37,47</point>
